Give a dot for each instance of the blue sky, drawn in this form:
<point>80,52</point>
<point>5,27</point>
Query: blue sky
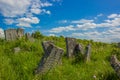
<point>85,19</point>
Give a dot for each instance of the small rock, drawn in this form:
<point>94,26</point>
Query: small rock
<point>16,49</point>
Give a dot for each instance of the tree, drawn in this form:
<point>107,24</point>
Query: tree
<point>37,35</point>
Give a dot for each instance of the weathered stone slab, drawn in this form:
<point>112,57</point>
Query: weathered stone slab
<point>79,49</point>
<point>13,34</point>
<point>70,45</point>
<point>88,52</point>
<point>29,37</point>
<point>20,32</point>
<point>119,45</point>
<point>115,63</point>
<point>52,56</point>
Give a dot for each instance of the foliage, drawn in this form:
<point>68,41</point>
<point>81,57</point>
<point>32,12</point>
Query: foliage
<point>37,35</point>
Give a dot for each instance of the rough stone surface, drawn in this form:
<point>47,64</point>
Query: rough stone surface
<point>13,34</point>
<point>52,56</point>
<point>88,52</point>
<point>29,37</point>
<point>115,64</point>
<point>79,49</point>
<point>70,45</point>
<point>119,45</point>
<point>16,49</point>
<point>20,32</point>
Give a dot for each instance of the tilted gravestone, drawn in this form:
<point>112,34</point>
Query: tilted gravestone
<point>52,56</point>
<point>13,34</point>
<point>88,52</point>
<point>115,63</point>
<point>70,45</point>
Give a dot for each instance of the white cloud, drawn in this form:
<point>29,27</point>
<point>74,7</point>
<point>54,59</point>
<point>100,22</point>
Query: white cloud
<point>26,21</point>
<point>61,29</point>
<point>99,15</point>
<point>82,21</point>
<point>52,35</point>
<point>34,20</point>
<point>9,21</point>
<point>113,16</point>
<point>88,29</point>
<point>2,33</point>
<point>46,11</point>
<point>63,21</point>
<point>22,24</point>
<point>36,11</point>
<point>13,8</point>
<point>86,26</point>
<point>46,4</point>
<point>20,10</point>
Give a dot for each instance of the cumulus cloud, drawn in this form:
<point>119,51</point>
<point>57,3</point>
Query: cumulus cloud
<point>113,16</point>
<point>20,10</point>
<point>106,31</point>
<point>13,8</point>
<point>61,29</point>
<point>63,21</point>
<point>108,36</point>
<point>52,35</point>
<point>26,21</point>
<point>9,21</point>
<point>82,21</point>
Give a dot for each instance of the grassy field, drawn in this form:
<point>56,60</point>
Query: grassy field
<point>20,66</point>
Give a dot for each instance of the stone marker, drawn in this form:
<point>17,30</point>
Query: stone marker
<point>29,37</point>
<point>115,64</point>
<point>16,49</point>
<point>70,45</point>
<point>52,56</point>
<point>79,49</point>
<point>20,32</point>
<point>119,45</point>
<point>13,34</point>
<point>88,52</point>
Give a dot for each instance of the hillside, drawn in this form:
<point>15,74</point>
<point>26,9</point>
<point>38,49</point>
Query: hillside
<point>20,66</point>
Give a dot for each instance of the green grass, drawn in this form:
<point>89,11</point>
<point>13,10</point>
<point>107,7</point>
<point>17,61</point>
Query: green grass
<point>20,66</point>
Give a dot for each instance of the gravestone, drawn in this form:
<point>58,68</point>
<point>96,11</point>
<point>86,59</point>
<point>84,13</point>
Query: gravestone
<point>20,32</point>
<point>52,57</point>
<point>13,34</point>
<point>115,63</point>
<point>10,34</point>
<point>88,52</point>
<point>29,37</point>
<point>16,49</point>
<point>79,49</point>
<point>70,45</point>
<point>119,45</point>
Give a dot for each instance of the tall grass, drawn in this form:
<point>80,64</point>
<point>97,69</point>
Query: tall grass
<point>20,66</point>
